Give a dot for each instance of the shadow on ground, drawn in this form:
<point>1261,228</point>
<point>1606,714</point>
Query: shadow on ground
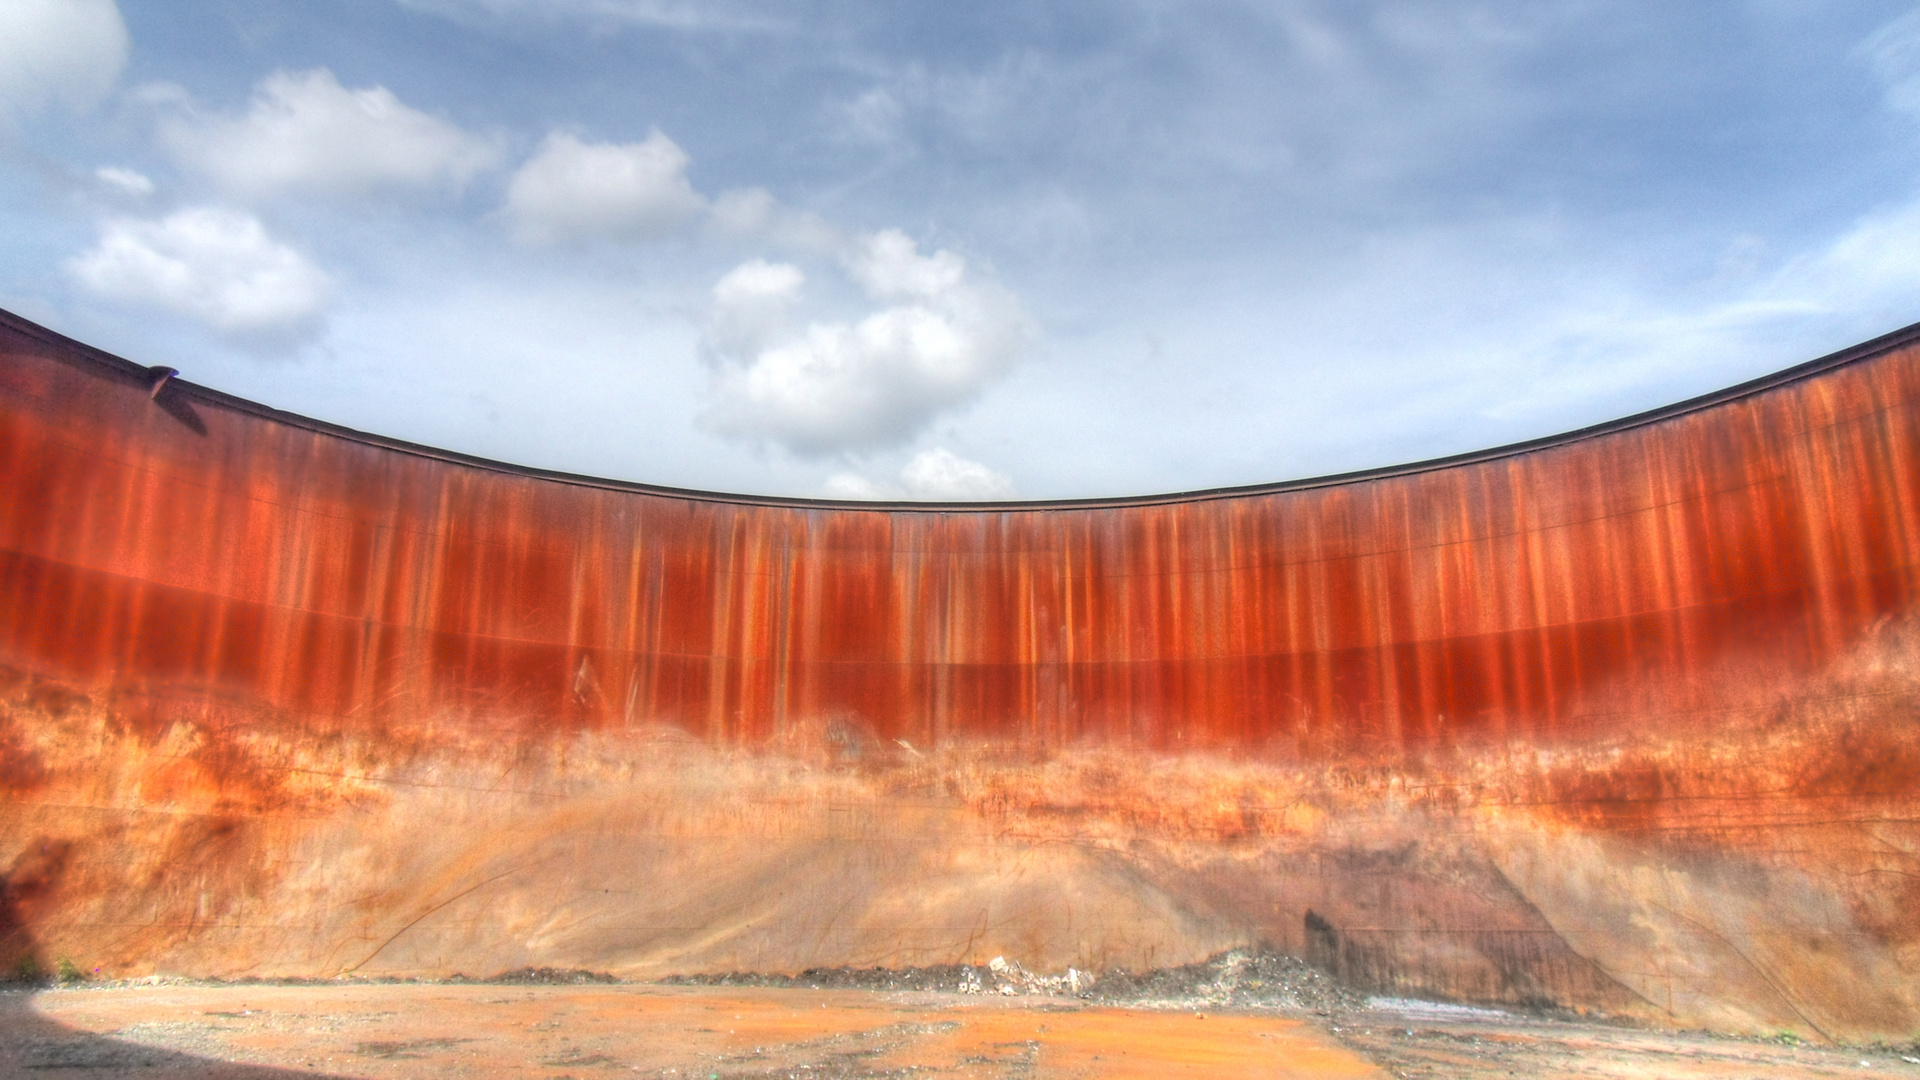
<point>33,1045</point>
<point>37,1046</point>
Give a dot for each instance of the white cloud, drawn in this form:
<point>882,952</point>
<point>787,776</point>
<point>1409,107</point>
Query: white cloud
<point>125,181</point>
<point>304,131</point>
<point>69,51</point>
<point>753,303</point>
<point>936,475</point>
<point>853,486</point>
<point>891,267</point>
<point>753,212</point>
<point>572,190</point>
<point>213,265</point>
<point>943,474</point>
<point>837,386</point>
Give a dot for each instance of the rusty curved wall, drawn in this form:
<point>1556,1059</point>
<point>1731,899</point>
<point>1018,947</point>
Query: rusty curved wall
<point>1673,633</point>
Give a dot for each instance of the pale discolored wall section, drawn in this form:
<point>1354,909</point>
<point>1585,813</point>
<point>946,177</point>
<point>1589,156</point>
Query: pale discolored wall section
<point>1578,722</point>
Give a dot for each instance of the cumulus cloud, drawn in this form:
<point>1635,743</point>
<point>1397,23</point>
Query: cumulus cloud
<point>304,131</point>
<point>69,51</point>
<point>943,474</point>
<point>574,190</point>
<point>936,475</point>
<point>829,387</point>
<point>891,267</point>
<point>216,266</point>
<point>752,304</point>
<point>755,213</point>
<point>853,486</point>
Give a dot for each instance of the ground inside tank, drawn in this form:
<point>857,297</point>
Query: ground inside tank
<point>1266,1019</point>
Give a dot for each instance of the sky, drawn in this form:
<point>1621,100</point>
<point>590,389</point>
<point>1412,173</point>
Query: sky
<point>994,250</point>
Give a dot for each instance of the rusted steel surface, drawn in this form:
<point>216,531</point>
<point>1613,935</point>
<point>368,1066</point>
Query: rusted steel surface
<point>1688,634</point>
<point>315,574</point>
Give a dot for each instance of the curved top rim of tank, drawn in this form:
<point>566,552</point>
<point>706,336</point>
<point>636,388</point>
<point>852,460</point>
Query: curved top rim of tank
<point>72,351</point>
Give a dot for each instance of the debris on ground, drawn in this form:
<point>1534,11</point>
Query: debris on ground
<point>548,976</point>
<point>942,977</point>
<point>1237,978</point>
<point>998,976</point>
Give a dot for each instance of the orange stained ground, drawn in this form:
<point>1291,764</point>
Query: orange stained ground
<point>438,1031</point>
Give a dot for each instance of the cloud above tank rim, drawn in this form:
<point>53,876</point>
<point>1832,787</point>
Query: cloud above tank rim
<point>1541,363</point>
<point>303,132</point>
<point>935,336</point>
<point>570,191</point>
<point>933,340</point>
<point>214,264</point>
<point>936,474</point>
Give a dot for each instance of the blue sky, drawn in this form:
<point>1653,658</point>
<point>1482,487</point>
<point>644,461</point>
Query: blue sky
<point>977,250</point>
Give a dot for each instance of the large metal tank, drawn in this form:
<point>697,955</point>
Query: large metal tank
<point>1622,720</point>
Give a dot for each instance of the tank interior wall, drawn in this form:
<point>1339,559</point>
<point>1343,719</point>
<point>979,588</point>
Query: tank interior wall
<point>185,567</point>
<point>311,574</point>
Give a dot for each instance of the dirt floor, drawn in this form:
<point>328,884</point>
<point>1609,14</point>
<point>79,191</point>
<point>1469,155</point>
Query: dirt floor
<point>1423,1041</point>
<point>439,1030</point>
<point>555,1028</point>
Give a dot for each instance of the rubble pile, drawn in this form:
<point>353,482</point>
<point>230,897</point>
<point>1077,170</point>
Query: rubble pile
<point>997,976</point>
<point>1004,976</point>
<point>548,976</point>
<point>1238,978</point>
<point>941,977</point>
